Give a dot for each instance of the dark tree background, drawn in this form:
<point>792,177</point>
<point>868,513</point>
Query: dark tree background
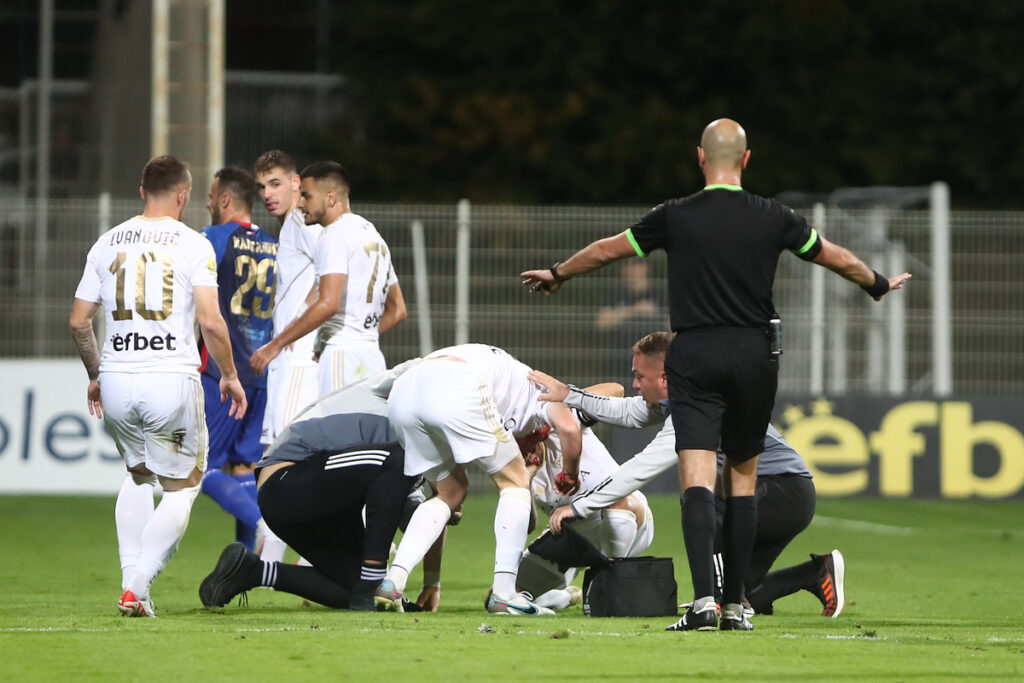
<point>603,102</point>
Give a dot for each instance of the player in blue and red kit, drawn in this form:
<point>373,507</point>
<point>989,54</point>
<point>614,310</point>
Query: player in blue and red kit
<point>246,263</point>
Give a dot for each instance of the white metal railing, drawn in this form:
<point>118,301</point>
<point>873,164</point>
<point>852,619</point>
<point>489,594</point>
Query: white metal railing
<point>459,268</point>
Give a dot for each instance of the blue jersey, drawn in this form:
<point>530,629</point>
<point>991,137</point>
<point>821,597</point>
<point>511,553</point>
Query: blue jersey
<point>246,265</point>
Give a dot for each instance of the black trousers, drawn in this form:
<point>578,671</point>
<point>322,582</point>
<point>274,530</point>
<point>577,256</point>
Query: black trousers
<point>785,507</point>
<point>316,507</point>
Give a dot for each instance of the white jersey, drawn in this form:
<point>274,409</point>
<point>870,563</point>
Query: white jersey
<point>296,274</point>
<point>514,395</point>
<point>353,247</point>
<point>596,463</point>
<point>143,273</point>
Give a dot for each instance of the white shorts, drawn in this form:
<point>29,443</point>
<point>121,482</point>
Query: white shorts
<point>290,389</point>
<point>157,419</point>
<point>445,416</point>
<point>341,366</point>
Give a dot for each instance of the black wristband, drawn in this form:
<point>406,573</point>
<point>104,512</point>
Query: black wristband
<point>880,286</point>
<point>554,272</point>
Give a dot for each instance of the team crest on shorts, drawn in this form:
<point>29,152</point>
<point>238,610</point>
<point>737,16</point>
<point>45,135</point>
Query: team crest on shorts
<point>178,437</point>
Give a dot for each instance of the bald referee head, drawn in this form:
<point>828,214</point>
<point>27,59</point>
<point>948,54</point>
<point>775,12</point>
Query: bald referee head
<point>723,148</point>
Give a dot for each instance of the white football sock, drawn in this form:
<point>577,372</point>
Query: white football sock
<point>132,511</point>
<point>557,599</point>
<point>511,521</point>
<point>161,536</point>
<point>424,528</point>
<point>273,546</point>
<point>618,531</point>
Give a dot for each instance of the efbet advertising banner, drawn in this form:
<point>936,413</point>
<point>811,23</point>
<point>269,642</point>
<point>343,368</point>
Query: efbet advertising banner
<point>49,443</point>
<point>959,447</point>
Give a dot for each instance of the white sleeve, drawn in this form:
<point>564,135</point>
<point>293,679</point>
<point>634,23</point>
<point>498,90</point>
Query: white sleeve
<point>307,240</point>
<point>89,287</point>
<point>332,254</point>
<point>392,276</point>
<point>203,266</point>
<point>632,411</point>
<point>632,475</point>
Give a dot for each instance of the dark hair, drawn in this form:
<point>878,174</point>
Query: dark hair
<point>654,344</point>
<point>328,170</point>
<point>275,158</point>
<point>165,173</point>
<point>238,183</point>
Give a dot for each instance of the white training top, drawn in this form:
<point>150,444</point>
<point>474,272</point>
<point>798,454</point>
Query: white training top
<point>514,395</point>
<point>143,273</point>
<point>353,247</point>
<point>295,273</point>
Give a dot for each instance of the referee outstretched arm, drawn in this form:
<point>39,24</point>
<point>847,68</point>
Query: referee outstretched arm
<point>836,258</point>
<point>842,261</point>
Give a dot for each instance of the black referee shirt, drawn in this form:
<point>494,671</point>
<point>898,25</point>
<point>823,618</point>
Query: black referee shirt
<point>723,246</point>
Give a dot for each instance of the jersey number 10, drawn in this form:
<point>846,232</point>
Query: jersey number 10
<point>118,268</point>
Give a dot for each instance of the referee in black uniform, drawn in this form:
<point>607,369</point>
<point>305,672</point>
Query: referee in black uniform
<point>723,246</point>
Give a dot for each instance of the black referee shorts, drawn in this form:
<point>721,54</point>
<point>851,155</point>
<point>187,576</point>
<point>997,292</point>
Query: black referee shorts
<point>721,387</point>
<point>316,507</point>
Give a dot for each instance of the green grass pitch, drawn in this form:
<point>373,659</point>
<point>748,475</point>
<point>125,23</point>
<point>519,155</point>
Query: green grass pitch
<point>933,589</point>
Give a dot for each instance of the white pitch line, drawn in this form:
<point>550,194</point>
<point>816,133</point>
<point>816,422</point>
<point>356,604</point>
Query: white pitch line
<point>793,636</point>
<point>858,525</point>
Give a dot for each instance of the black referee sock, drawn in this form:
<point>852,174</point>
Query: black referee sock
<point>308,583</point>
<point>738,531</point>
<point>698,517</point>
<point>779,584</point>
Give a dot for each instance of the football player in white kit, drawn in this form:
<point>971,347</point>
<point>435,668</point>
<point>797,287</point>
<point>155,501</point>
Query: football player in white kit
<point>358,294</point>
<point>155,277</point>
<point>466,404</point>
<point>624,528</point>
<point>292,376</point>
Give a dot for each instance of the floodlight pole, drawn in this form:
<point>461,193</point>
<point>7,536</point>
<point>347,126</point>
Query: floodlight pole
<point>818,314</point>
<point>897,309</point>
<point>43,169</point>
<point>942,328</point>
<point>419,262</point>
<point>462,274</point>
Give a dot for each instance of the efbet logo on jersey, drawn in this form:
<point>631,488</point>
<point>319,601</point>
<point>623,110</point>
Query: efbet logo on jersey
<point>138,342</point>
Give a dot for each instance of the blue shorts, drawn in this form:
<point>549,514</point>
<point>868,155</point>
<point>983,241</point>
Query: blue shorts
<point>231,440</point>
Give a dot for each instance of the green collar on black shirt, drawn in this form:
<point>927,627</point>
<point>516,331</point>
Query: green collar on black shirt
<point>724,186</point>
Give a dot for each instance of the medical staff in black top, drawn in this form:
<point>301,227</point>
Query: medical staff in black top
<point>723,247</point>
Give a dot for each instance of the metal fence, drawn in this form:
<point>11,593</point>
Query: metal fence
<point>558,333</point>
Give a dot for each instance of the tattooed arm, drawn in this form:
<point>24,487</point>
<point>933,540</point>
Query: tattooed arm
<point>82,313</point>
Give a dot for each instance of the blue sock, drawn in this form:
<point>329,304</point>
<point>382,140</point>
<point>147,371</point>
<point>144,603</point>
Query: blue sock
<point>232,496</point>
<point>245,534</point>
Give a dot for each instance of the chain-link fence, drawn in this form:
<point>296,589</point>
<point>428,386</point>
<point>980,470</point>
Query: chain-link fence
<point>560,333</point>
